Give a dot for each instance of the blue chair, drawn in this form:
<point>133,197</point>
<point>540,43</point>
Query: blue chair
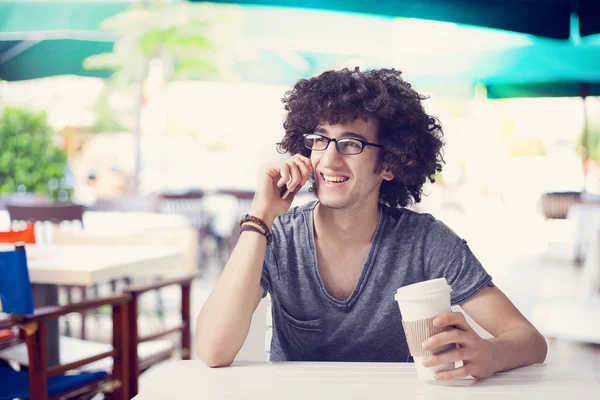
<point>41,382</point>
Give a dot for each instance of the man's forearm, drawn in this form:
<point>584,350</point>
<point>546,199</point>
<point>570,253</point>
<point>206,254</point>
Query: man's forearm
<point>518,347</point>
<point>225,318</point>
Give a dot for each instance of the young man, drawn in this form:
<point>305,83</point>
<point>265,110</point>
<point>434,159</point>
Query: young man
<point>332,266</point>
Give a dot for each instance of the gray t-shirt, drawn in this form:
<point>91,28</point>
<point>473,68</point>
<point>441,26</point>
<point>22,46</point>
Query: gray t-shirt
<point>310,325</point>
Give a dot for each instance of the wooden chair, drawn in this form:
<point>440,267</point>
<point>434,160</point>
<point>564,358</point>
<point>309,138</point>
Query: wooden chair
<point>139,363</point>
<point>144,351</point>
<point>62,213</point>
<point>189,204</point>
<point>27,236</point>
<point>38,381</point>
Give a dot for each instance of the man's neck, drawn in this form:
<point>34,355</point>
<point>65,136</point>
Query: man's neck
<point>352,225</point>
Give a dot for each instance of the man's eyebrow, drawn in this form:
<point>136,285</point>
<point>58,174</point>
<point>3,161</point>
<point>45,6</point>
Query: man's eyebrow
<point>345,134</point>
<point>354,135</point>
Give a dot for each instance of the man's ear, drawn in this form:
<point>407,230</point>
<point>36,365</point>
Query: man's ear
<point>387,174</point>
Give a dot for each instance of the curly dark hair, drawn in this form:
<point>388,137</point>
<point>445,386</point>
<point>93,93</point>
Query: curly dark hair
<point>411,139</point>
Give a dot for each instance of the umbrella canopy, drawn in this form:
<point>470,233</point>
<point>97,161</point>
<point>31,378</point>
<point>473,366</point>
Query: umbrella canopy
<point>57,15</point>
<point>547,70</point>
<point>541,69</point>
<point>537,17</point>
<point>35,47</point>
<point>509,64</point>
<point>40,38</point>
<point>20,60</point>
<point>546,89</point>
<point>46,38</point>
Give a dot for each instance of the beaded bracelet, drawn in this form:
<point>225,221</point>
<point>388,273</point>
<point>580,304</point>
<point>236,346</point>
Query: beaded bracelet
<point>247,227</point>
<point>261,223</point>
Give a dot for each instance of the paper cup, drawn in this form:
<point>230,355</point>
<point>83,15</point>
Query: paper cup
<point>419,303</point>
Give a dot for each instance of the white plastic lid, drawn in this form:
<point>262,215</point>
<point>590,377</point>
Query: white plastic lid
<point>422,289</point>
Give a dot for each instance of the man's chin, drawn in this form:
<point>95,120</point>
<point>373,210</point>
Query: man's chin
<point>335,204</point>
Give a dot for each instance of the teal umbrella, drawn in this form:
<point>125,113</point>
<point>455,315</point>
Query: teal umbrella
<point>545,89</point>
<point>20,60</point>
<point>57,15</point>
<point>549,70</point>
<point>46,38</point>
<point>542,69</point>
<point>33,46</point>
<point>545,18</point>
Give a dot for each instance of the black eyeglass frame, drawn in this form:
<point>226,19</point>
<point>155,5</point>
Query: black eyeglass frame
<point>336,141</point>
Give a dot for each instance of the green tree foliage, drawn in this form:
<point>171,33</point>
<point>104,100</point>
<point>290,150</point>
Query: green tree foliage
<point>28,155</point>
<point>195,41</point>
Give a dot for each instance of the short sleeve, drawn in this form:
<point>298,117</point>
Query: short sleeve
<point>265,279</point>
<point>447,255</point>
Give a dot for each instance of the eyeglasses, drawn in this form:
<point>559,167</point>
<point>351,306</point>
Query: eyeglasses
<point>348,146</point>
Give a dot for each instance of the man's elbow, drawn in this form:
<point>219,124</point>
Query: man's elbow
<point>537,343</point>
<point>213,356</point>
<point>542,347</point>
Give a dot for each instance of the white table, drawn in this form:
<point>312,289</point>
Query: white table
<point>348,381</point>
<point>87,265</point>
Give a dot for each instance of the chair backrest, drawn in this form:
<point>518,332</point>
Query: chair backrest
<point>15,287</point>
<point>55,213</point>
<point>239,194</point>
<point>130,203</point>
<point>26,235</point>
<point>189,204</point>
<point>69,216</point>
<point>193,194</point>
<point>555,205</point>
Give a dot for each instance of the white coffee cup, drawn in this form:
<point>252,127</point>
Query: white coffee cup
<point>424,300</point>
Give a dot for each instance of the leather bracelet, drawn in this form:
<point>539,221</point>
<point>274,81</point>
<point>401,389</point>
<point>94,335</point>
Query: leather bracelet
<point>254,224</point>
<point>251,228</point>
<point>261,223</point>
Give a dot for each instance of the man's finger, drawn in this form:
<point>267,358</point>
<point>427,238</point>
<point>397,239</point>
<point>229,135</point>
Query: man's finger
<point>295,175</point>
<point>446,357</point>
<point>305,161</point>
<point>304,170</point>
<point>444,338</point>
<point>455,319</point>
<point>456,373</point>
<point>285,175</point>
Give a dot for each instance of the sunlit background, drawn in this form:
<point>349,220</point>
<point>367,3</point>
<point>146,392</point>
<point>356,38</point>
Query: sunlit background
<point>149,98</point>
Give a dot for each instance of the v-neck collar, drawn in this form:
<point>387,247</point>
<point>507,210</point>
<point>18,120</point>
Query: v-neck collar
<point>366,269</point>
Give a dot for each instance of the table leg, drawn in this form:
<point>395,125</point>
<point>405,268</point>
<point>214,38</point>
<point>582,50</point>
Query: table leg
<point>47,295</point>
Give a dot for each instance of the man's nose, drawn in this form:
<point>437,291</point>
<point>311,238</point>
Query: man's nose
<point>331,153</point>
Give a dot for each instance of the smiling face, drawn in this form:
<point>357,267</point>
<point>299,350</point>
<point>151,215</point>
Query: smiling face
<point>348,181</point>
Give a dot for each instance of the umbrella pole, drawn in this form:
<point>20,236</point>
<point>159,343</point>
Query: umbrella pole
<point>586,136</point>
<point>138,123</point>
<point>584,91</point>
